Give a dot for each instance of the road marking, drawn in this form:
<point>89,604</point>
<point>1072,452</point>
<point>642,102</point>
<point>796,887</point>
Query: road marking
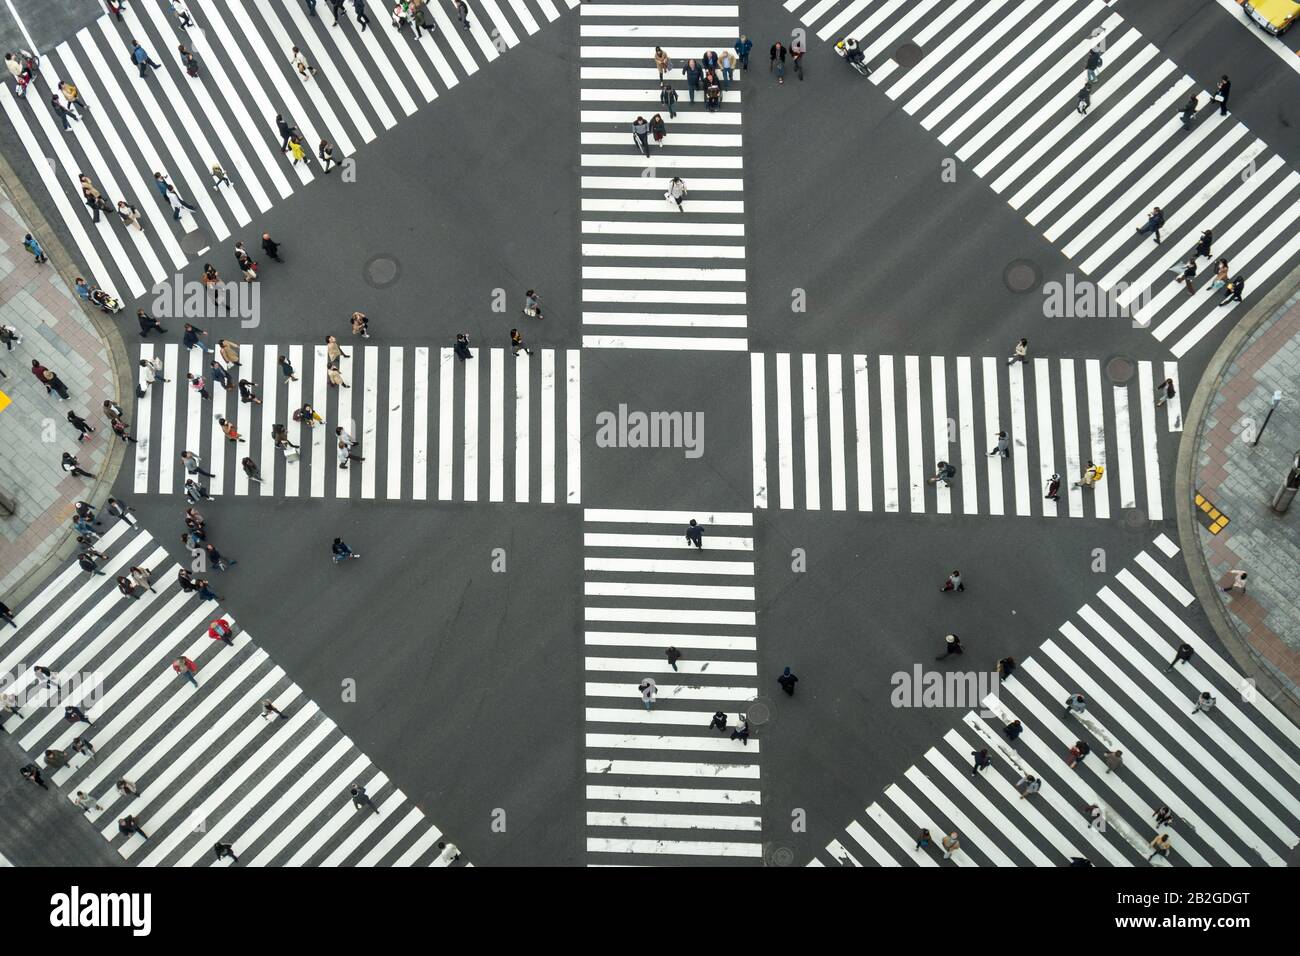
<point>811,454</point>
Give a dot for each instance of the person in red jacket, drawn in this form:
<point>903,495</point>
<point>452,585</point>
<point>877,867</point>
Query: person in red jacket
<point>184,667</point>
<point>219,630</point>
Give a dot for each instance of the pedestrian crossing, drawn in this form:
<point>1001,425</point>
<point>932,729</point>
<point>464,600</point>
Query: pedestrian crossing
<point>428,426</point>
<point>180,125</point>
<point>998,82</point>
<point>1231,776</point>
<point>873,429</point>
<point>664,786</point>
<point>654,276</point>
<point>208,767</point>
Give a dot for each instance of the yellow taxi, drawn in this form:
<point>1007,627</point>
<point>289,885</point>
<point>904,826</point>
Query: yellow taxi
<point>1275,16</point>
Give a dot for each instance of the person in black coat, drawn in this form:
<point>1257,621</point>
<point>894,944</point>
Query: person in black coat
<point>694,74</point>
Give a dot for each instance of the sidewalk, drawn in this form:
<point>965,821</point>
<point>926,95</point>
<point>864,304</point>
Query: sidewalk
<point>1239,480</point>
<point>34,432</point>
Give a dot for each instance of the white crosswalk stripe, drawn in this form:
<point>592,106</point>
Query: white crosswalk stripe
<point>366,83</point>
<point>999,81</point>
<point>703,605</point>
<point>1229,776</point>
<point>208,767</point>
<point>643,287</point>
<point>402,394</point>
<point>907,426</point>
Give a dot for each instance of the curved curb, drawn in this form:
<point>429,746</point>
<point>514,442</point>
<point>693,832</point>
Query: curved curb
<point>118,361</point>
<point>1198,570</point>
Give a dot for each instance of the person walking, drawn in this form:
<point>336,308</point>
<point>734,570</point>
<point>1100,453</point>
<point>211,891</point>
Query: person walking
<point>152,372</point>
<point>189,62</point>
<point>742,48</point>
<point>194,464</point>
<point>85,802</point>
<point>250,469</point>
<point>1204,245</point>
<point>676,192</point>
<point>287,370</point>
<point>192,336</point>
<point>951,844</point>
<point>334,352</point>
<point>1165,391</point>
<point>1020,353</point>
<point>1233,289</point>
<point>325,153</point>
<point>1090,475</point>
<point>1154,221</point>
<point>658,129</point>
<point>127,587</point>
<point>462,13</point>
<point>1182,655</point>
<point>186,669</point>
<point>668,97</point>
<point>1188,113</point>
<point>662,63</point>
<point>951,645</point>
<point>219,178</point>
<point>1160,845</point>
<point>641,135</point>
<point>648,690</point>
<point>954,583</point>
<point>1028,785</point>
<point>923,840</point>
<point>1114,759</point>
<point>82,746</point>
<point>1205,703</point>
<point>787,682</point>
<point>10,336</point>
<point>335,378</point>
<point>129,215</point>
<point>74,715</point>
<point>1187,275</point>
<point>219,630</point>
<point>219,849</point>
<point>982,761</point>
<point>777,64</point>
<point>360,799</point>
<point>797,50</point>
<point>695,535</point>
<point>450,853</point>
<point>694,75</point>
<point>1078,752</point>
<point>34,247</point>
<point>345,455</point>
<point>361,324</point>
<point>33,773</point>
<point>228,429</point>
<point>461,347</point>
<point>128,826</point>
<point>300,65</point>
<point>120,430</point>
<point>517,342</point>
<point>7,615</point>
<point>269,708</point>
<point>217,560</point>
<point>741,732</point>
<point>1054,487</point>
<point>73,467</point>
<point>1005,667</point>
<point>1220,276</point>
<point>533,304</point>
<point>1163,816</point>
<point>198,385</point>
<point>143,578</point>
<point>170,195</point>
<point>943,471</point>
<point>1238,581</point>
<point>341,551</point>
<point>1002,445</point>
<point>248,393</point>
<point>336,7</point>
<point>1093,64</point>
<point>1013,730</point>
<point>674,655</point>
<point>359,7</point>
<point>127,788</point>
<point>1221,94</point>
<point>719,722</point>
<point>84,430</point>
<point>1075,704</point>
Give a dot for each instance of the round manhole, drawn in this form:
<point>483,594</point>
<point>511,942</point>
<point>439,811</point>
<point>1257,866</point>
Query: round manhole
<point>758,713</point>
<point>1120,370</point>
<point>195,243</point>
<point>1021,276</point>
<point>780,856</point>
<point>1135,518</point>
<point>382,271</point>
<point>908,55</point>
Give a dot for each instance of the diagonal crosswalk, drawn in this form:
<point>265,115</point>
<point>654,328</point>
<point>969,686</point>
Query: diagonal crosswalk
<point>207,765</point>
<point>654,276</point>
<point>181,125</point>
<point>1230,776</point>
<point>873,429</point>
<point>663,785</point>
<point>427,425</point>
<point>998,82</point>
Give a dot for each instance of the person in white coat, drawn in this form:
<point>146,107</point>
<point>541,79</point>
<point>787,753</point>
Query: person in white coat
<point>648,691</point>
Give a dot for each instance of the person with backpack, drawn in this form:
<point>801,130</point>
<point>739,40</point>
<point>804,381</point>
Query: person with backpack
<point>1093,65</point>
<point>1232,291</point>
<point>1091,474</point>
<point>1165,391</point>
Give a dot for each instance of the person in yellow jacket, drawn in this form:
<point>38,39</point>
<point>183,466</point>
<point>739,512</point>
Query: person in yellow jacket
<point>1091,475</point>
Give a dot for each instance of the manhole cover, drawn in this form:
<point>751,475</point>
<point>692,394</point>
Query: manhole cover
<point>192,242</point>
<point>908,55</point>
<point>1120,370</point>
<point>758,713</point>
<point>1135,518</point>
<point>780,856</point>
<point>382,271</point>
<point>1021,275</point>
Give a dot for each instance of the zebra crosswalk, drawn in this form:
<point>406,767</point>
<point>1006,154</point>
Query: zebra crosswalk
<point>998,82</point>
<point>655,276</point>
<point>905,414</point>
<point>132,127</point>
<point>207,765</point>
<point>418,417</point>
<point>663,784</point>
<point>1230,776</point>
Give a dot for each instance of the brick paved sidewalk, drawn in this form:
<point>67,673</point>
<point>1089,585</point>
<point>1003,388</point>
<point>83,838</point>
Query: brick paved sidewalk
<point>1240,480</point>
<point>34,430</point>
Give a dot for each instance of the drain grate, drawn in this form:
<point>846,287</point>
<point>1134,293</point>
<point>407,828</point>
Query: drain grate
<point>908,55</point>
<point>1021,276</point>
<point>382,271</point>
